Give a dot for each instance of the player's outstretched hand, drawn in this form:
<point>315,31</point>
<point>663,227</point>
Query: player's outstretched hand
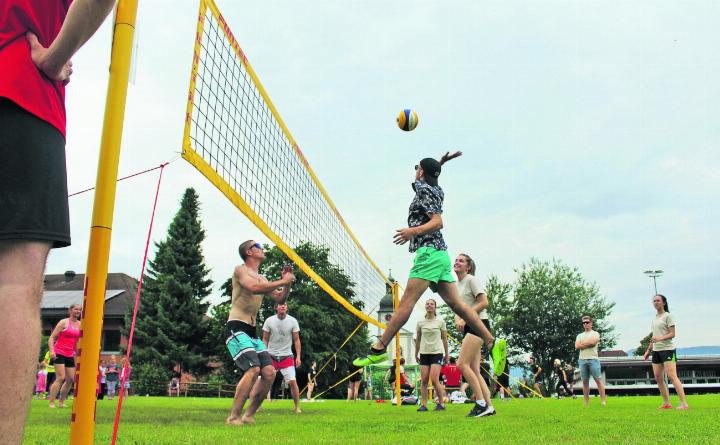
<point>402,236</point>
<point>447,156</point>
<point>287,273</point>
<point>41,57</point>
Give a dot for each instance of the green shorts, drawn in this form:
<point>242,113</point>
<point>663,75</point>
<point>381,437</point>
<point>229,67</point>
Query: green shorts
<point>432,265</point>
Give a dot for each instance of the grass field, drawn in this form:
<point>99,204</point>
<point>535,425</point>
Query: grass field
<point>156,420</point>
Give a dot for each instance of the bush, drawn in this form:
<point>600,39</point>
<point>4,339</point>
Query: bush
<point>150,379</point>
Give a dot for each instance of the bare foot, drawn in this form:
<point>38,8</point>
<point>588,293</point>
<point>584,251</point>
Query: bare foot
<point>683,406</point>
<point>61,405</point>
<point>297,411</point>
<point>233,421</point>
<point>248,420</point>
<point>52,405</point>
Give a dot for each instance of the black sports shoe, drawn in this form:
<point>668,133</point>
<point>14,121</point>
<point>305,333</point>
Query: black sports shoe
<point>477,411</point>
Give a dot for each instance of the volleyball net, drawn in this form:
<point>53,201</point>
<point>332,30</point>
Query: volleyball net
<point>235,136</point>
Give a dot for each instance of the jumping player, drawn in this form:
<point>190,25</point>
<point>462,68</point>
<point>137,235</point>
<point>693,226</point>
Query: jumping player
<point>432,266</point>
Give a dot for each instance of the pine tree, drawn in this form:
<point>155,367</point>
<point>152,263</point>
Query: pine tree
<point>171,322</point>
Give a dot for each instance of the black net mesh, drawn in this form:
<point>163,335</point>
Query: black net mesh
<point>233,129</point>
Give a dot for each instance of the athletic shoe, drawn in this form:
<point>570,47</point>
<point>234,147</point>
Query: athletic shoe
<point>477,411</point>
<point>371,359</point>
<point>489,412</point>
<point>439,407</point>
<point>665,406</point>
<point>499,355</point>
<point>422,409</point>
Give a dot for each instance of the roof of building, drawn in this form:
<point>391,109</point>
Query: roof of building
<point>62,290</point>
<point>638,361</point>
<point>613,353</point>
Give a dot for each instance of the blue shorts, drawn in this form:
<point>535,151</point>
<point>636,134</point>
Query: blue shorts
<point>245,348</point>
<point>589,367</point>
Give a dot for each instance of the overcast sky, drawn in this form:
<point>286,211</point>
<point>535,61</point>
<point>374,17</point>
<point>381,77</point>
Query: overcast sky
<point>587,129</point>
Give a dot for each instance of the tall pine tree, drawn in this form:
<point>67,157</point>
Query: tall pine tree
<point>171,322</point>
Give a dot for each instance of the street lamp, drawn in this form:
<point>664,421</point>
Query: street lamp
<point>654,274</point>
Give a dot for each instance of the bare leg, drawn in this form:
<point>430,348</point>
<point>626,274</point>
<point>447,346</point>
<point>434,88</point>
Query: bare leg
<point>241,394</point>
<point>67,385</point>
<point>466,361</point>
<point>57,384</point>
<point>310,391</point>
<point>483,384</point>
<point>414,289</point>
<point>267,376</point>
<point>449,293</point>
<point>439,389</point>
<point>601,390</point>
<point>658,372</point>
<point>22,265</point>
<point>586,391</point>
<point>424,374</point>
<point>295,391</point>
<point>671,370</point>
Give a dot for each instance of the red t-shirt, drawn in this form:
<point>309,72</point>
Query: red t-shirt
<point>452,375</point>
<point>20,80</point>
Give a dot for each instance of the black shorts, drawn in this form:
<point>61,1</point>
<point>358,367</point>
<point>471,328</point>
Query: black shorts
<point>504,379</point>
<point>33,180</point>
<point>431,359</point>
<point>660,357</point>
<point>68,362</point>
<point>468,330</point>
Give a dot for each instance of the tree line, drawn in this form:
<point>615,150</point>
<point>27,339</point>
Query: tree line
<point>538,313</point>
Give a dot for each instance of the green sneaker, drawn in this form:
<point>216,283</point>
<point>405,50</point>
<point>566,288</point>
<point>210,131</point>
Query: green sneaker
<point>371,359</point>
<point>499,355</point>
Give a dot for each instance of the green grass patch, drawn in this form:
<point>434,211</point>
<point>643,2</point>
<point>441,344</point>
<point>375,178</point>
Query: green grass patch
<point>160,420</point>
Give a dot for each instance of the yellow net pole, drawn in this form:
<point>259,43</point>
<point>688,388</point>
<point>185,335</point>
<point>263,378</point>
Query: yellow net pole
<point>83,411</point>
<point>396,304</point>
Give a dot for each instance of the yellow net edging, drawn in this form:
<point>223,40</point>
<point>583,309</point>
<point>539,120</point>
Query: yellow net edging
<point>235,136</point>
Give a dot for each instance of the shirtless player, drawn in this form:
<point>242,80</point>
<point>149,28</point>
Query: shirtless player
<point>247,350</point>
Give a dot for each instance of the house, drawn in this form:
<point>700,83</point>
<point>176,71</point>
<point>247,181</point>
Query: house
<point>62,290</point>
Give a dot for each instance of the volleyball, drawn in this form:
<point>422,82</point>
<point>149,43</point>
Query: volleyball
<point>407,120</point>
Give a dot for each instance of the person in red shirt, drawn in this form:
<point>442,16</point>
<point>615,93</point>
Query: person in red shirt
<point>37,40</point>
<point>451,373</point>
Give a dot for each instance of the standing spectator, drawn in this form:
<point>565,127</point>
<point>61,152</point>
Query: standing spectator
<point>103,380</point>
<point>367,377</point>
<point>41,381</point>
<point>50,372</point>
<point>587,343</point>
<point>503,380</point>
<point>537,376</point>
<point>112,375</point>
<point>125,371</point>
<point>664,358</point>
<point>280,333</point>
<point>431,351</point>
<point>37,41</point>
<point>62,345</point>
<point>354,383</point>
<point>312,376</point>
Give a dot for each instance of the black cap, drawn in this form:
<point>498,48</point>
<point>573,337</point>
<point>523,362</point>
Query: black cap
<point>431,170</point>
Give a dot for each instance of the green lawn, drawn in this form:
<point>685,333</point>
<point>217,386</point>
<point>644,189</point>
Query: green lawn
<point>155,420</point>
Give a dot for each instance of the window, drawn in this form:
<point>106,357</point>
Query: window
<point>111,341</point>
